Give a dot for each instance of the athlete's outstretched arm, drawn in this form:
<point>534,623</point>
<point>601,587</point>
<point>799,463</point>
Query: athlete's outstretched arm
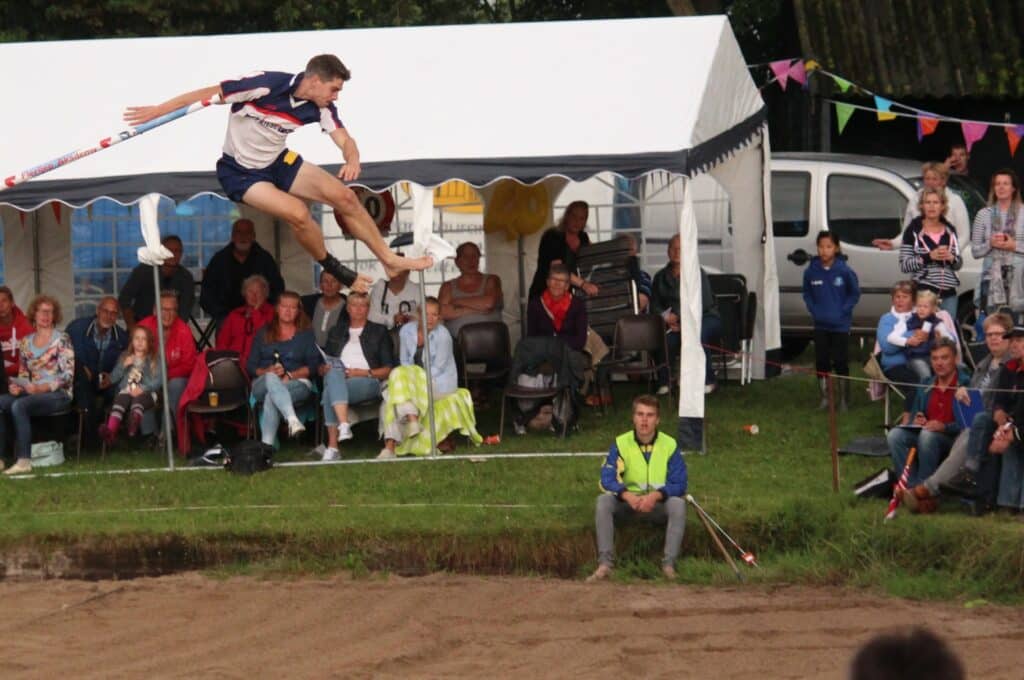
<point>137,115</point>
<point>350,152</point>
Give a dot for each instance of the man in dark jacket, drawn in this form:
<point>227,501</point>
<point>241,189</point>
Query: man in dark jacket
<point>98,342</point>
<point>231,265</point>
<point>138,296</point>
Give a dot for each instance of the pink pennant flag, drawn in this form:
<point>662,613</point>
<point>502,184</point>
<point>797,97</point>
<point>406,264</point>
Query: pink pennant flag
<point>798,72</point>
<point>973,132</point>
<point>781,70</point>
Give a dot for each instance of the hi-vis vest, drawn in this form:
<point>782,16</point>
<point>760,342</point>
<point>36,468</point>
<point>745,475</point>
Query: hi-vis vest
<point>639,475</point>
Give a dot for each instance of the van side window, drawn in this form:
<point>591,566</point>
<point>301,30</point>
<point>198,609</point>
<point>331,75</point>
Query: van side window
<point>861,209</point>
<point>791,203</point>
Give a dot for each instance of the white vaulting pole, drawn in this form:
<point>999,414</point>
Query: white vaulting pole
<point>154,254</point>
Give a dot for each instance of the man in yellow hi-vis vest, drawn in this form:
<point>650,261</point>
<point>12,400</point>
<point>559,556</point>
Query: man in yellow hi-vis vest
<point>644,475</point>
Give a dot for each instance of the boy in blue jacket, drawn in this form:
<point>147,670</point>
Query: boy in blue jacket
<point>831,292</point>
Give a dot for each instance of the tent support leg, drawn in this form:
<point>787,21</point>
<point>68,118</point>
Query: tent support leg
<point>163,372</point>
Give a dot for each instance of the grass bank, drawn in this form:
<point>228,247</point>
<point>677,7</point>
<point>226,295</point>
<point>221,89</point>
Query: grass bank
<point>771,491</point>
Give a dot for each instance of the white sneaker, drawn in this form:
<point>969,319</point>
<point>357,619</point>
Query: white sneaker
<point>330,454</point>
<point>344,432</point>
<point>24,465</point>
<point>295,427</point>
<point>709,389</point>
<point>386,454</point>
<point>662,391</point>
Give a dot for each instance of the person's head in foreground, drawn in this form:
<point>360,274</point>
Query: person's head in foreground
<point>646,416</point>
<point>558,281</point>
<point>918,654</point>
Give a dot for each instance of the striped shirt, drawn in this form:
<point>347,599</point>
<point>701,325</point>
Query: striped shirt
<point>939,277</point>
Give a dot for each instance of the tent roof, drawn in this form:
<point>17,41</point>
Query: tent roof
<point>473,102</point>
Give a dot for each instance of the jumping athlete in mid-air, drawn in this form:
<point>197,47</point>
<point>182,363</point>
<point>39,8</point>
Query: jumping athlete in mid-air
<point>258,170</point>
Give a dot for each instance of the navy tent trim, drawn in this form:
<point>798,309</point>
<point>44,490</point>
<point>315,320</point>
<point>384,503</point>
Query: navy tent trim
<point>181,186</point>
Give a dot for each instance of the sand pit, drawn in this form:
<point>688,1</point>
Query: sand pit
<point>443,626</point>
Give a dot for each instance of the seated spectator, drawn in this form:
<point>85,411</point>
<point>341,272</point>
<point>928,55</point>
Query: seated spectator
<point>231,265</point>
<point>138,296</point>
<point>392,302</point>
<point>405,420</point>
<point>98,342</point>
<point>559,245</point>
<point>240,326</point>
<point>892,343</point>
<point>558,312</point>
<point>325,308</point>
<point>46,373</point>
<point>179,345</point>
<point>924,497</point>
<point>930,425</point>
<point>920,332</point>
<point>994,449</point>
<point>281,363</point>
<point>366,359</point>
<point>472,297</point>
<point>665,300</point>
<point>137,379</point>
<point>14,326</point>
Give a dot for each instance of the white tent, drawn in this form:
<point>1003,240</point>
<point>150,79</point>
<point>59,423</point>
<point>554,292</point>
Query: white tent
<point>542,102</point>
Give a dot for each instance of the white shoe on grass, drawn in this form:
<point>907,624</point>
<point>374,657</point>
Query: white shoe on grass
<point>295,427</point>
<point>23,466</point>
<point>662,391</point>
<point>386,454</point>
<point>344,432</point>
<point>330,454</point>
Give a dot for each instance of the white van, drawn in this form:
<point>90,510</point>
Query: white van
<point>861,198</point>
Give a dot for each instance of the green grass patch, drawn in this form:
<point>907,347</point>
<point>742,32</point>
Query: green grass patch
<point>772,492</point>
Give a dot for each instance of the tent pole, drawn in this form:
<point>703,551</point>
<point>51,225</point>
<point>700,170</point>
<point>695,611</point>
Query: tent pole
<point>522,287</point>
<point>426,364</point>
<point>163,369</point>
<point>37,265</point>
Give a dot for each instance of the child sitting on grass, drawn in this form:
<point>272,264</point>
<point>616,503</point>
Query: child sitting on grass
<point>137,376</point>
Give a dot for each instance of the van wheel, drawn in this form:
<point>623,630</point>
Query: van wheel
<point>792,347</point>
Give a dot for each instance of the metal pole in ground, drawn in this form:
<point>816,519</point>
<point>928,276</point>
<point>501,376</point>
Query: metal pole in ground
<point>163,369</point>
<point>833,432</point>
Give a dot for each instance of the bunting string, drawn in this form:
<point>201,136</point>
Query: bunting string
<point>799,70</point>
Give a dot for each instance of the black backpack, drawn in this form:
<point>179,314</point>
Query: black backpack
<point>249,457</point>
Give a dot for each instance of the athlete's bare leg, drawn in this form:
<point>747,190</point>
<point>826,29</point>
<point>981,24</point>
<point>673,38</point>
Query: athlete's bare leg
<point>313,183</point>
<point>267,198</point>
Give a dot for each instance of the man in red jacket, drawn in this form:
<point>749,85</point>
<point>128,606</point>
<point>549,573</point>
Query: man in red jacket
<point>180,346</point>
<point>14,325</point>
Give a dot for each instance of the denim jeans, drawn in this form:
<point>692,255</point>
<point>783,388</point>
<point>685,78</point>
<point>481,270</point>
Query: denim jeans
<point>982,428</point>
<point>21,409</point>
<point>932,448</point>
<point>341,390</point>
<point>950,304</point>
<point>1011,479</point>
<point>710,334</point>
<point>279,399</point>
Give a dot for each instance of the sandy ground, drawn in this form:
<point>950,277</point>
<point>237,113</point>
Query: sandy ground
<point>443,626</point>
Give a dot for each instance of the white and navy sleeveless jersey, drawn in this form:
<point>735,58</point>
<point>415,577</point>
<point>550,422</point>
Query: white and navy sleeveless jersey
<point>264,112</point>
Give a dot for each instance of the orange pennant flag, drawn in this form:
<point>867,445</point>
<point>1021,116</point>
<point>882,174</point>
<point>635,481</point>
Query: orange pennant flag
<point>1013,139</point>
<point>926,126</point>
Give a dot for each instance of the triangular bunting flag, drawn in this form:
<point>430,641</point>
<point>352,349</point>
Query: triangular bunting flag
<point>882,105</point>
<point>843,113</point>
<point>781,70</point>
<point>842,83</point>
<point>798,72</point>
<point>925,126</point>
<point>973,132</point>
<point>812,65</point>
<point>1013,138</point>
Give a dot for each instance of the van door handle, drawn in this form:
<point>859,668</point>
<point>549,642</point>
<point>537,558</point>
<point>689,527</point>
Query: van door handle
<point>798,257</point>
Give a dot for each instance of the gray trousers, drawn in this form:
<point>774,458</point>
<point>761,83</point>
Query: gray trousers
<point>672,512</point>
<point>949,467</point>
